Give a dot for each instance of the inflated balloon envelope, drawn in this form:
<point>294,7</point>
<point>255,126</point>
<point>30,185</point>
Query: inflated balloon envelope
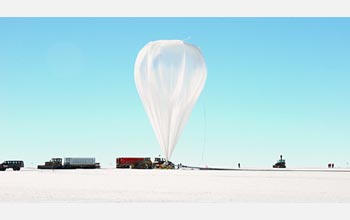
<point>169,76</point>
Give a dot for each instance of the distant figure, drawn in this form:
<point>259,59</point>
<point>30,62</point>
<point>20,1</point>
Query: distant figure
<point>281,156</point>
<point>239,165</point>
<point>329,165</point>
<point>332,165</point>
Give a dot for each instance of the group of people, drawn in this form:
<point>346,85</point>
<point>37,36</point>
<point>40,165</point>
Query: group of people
<point>331,165</point>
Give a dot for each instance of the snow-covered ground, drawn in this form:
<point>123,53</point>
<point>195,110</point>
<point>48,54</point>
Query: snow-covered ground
<point>126,185</point>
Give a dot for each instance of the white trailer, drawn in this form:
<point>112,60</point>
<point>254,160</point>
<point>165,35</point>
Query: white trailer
<point>80,162</point>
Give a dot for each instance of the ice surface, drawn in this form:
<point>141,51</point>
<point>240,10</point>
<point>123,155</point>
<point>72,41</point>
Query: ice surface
<point>126,185</point>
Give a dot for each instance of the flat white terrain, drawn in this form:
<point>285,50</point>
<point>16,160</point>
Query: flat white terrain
<point>126,185</point>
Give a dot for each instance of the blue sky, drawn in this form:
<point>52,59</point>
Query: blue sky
<point>274,86</point>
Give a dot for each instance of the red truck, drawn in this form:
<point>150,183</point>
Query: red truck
<point>143,163</point>
<point>134,162</point>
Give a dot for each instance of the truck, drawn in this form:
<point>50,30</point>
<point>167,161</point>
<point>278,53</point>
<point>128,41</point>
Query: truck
<point>161,163</point>
<point>143,163</point>
<point>281,163</point>
<point>71,163</point>
<point>54,163</point>
<point>134,162</point>
<point>14,164</point>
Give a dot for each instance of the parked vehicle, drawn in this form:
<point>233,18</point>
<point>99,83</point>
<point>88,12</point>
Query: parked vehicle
<point>143,163</point>
<point>71,163</point>
<point>161,163</point>
<point>281,163</point>
<point>14,164</point>
<point>54,163</point>
<point>134,162</point>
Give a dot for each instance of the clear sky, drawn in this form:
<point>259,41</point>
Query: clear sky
<point>274,86</point>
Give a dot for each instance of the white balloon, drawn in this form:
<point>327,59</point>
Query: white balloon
<point>169,76</point>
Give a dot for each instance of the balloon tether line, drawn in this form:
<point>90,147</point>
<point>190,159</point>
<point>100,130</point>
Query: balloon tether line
<point>204,131</point>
